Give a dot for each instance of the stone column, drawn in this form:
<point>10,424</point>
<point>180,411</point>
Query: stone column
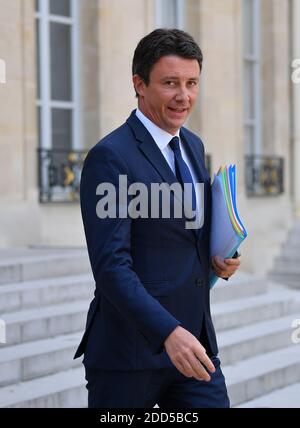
<point>296,106</point>
<point>221,95</point>
<point>122,25</point>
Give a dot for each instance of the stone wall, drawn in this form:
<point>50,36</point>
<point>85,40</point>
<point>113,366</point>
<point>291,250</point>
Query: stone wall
<point>109,32</point>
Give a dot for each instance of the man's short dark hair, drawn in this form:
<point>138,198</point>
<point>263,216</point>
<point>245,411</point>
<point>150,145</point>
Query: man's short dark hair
<point>163,42</point>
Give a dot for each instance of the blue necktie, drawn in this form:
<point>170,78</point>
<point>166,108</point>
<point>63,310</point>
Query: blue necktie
<point>182,170</point>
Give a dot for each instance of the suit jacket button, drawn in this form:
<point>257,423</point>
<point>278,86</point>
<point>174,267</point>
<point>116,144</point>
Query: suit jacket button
<point>199,282</point>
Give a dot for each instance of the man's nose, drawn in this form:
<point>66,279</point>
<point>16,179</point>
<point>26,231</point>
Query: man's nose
<point>182,94</point>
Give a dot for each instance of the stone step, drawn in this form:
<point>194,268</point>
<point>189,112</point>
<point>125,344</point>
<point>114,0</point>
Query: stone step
<point>31,360</point>
<point>287,265</point>
<point>240,285</point>
<point>65,389</point>
<point>288,254</point>
<point>246,380</point>
<point>245,342</point>
<point>288,397</point>
<point>286,278</point>
<point>296,225</point>
<point>288,247</point>
<point>293,239</point>
<point>36,324</point>
<point>249,379</point>
<point>43,322</point>
<point>63,318</point>
<point>39,265</point>
<point>39,357</point>
<point>45,292</point>
<point>240,312</point>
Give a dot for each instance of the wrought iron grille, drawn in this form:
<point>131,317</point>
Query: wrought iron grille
<point>264,175</point>
<point>59,175</point>
<point>60,172</point>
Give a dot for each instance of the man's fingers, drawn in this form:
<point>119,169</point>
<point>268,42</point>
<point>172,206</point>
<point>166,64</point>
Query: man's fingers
<point>188,355</point>
<point>206,361</point>
<point>193,368</point>
<point>184,368</point>
<point>219,272</point>
<point>216,267</point>
<point>225,270</point>
<point>231,270</point>
<point>232,262</point>
<point>199,371</point>
<point>219,262</point>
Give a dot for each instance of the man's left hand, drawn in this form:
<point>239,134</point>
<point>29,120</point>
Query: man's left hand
<point>225,268</point>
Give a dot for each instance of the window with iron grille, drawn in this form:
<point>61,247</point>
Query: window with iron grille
<point>57,71</point>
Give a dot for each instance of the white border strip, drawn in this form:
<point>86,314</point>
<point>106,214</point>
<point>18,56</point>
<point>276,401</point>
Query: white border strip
<point>2,71</point>
<point>2,331</point>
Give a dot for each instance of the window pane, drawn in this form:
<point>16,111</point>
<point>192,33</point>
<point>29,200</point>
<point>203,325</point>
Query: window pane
<point>61,76</point>
<point>38,111</point>
<point>37,56</point>
<point>249,140</point>
<point>169,13</point>
<point>61,129</point>
<point>248,22</point>
<point>249,90</point>
<point>60,7</point>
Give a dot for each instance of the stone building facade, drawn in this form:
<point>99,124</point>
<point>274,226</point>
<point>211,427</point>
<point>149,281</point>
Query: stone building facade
<point>68,83</point>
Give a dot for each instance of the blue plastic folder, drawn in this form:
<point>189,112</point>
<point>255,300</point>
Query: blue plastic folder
<point>227,230</point>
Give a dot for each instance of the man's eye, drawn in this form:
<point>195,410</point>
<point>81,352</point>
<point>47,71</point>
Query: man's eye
<point>193,83</point>
<point>170,83</point>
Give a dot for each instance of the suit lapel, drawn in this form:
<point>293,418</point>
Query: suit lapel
<point>150,149</point>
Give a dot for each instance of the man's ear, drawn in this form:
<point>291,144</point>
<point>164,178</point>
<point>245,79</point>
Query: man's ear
<point>139,84</point>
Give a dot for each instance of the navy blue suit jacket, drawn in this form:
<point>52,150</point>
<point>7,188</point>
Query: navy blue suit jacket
<point>151,274</point>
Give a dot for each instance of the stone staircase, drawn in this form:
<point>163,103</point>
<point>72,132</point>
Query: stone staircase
<point>45,317</point>
<point>255,340</point>
<point>286,267</point>
<point>44,320</point>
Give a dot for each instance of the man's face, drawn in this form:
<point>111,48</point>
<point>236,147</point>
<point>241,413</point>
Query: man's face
<point>171,93</point>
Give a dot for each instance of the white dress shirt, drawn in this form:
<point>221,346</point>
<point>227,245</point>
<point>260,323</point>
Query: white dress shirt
<point>162,139</point>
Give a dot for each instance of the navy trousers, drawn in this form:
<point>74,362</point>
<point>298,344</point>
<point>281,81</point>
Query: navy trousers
<point>167,388</point>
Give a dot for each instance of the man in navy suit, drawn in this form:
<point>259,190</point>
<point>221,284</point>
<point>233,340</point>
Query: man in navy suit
<point>149,336</point>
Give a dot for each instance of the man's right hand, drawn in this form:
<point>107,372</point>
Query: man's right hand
<point>188,355</point>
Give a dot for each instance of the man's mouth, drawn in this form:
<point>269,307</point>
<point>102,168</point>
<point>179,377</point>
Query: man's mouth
<point>178,110</point>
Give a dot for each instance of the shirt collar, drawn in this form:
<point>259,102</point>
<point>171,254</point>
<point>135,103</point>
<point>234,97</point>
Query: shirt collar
<point>161,137</point>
